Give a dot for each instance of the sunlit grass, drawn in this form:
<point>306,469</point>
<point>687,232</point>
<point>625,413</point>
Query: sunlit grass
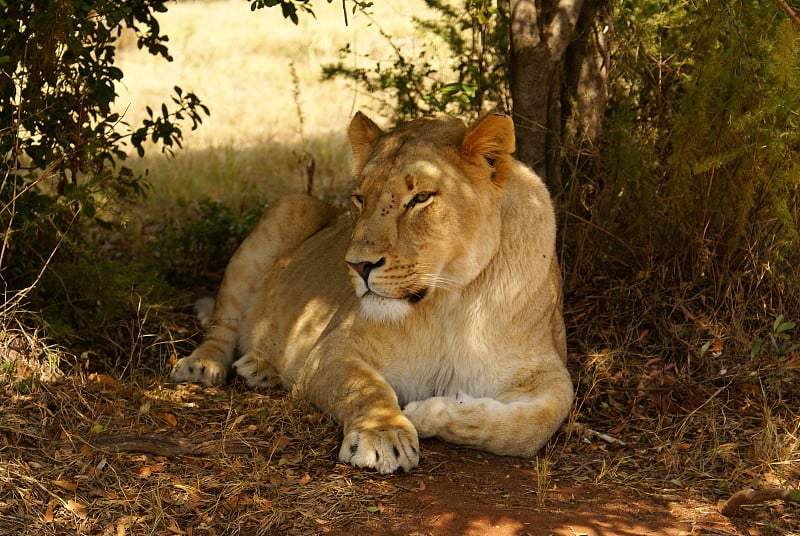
<point>240,65</point>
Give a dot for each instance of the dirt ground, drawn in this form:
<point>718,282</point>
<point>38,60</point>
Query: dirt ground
<point>89,454</point>
<point>467,494</point>
<point>463,495</point>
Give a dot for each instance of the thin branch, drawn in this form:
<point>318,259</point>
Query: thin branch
<point>166,445</point>
<point>20,295</point>
<point>753,496</point>
<point>790,11</point>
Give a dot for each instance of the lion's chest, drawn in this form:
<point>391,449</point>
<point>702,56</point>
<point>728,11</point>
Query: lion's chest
<point>443,359</point>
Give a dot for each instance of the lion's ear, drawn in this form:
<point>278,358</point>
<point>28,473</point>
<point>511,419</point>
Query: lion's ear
<point>490,141</point>
<point>362,132</point>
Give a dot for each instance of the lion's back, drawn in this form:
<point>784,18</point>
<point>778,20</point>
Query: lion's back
<point>298,297</point>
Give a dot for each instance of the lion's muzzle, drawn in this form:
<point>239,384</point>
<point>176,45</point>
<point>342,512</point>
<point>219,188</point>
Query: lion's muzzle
<point>364,268</point>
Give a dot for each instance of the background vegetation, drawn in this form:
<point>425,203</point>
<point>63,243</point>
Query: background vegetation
<point>679,231</point>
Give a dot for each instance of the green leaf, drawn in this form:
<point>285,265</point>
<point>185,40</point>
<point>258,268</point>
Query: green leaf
<point>449,89</point>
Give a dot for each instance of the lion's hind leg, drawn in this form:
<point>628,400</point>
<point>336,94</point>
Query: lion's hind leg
<point>516,423</point>
<point>256,366</point>
<point>283,226</point>
<point>257,371</point>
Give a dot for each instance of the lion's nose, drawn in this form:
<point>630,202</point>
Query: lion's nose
<point>364,268</point>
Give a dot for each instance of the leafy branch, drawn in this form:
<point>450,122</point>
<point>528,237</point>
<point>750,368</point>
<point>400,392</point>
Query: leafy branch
<point>165,128</point>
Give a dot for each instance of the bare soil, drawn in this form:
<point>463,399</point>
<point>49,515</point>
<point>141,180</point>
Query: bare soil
<point>470,494</point>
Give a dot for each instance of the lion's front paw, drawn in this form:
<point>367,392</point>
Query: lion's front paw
<point>200,368</point>
<point>256,371</point>
<point>384,450</point>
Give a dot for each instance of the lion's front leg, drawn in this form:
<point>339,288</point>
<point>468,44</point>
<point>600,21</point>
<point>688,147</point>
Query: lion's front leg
<point>376,433</point>
<point>515,423</point>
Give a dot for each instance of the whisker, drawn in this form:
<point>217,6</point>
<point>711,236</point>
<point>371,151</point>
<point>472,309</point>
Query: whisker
<point>424,275</point>
<point>438,282</point>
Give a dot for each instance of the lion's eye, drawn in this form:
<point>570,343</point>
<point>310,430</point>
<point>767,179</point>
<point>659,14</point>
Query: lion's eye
<point>357,200</point>
<point>419,199</point>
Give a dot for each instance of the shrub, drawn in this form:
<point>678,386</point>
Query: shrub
<point>693,195</point>
<point>475,34</point>
<point>60,145</point>
<point>195,252</point>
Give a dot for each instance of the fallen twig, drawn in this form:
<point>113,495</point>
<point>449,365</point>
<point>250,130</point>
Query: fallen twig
<point>753,496</point>
<point>587,433</point>
<point>165,445</point>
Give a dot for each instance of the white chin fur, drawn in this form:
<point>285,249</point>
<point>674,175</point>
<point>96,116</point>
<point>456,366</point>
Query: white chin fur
<point>379,309</point>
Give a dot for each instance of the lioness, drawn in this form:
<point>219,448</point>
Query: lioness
<point>454,329</point>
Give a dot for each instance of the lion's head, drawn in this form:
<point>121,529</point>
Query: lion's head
<point>426,206</point>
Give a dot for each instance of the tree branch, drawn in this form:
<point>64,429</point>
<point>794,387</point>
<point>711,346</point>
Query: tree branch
<point>790,11</point>
<point>753,496</point>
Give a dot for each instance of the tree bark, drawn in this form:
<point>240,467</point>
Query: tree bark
<point>541,31</point>
<point>557,58</point>
<point>586,69</point>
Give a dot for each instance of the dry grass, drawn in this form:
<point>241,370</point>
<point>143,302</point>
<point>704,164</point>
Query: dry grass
<point>658,372</point>
<point>238,62</point>
<point>265,461</point>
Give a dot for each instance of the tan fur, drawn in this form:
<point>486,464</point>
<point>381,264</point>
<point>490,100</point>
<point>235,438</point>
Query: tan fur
<point>454,329</point>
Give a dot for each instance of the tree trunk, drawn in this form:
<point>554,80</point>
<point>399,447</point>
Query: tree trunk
<point>541,30</point>
<point>542,33</point>
<point>586,69</point>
